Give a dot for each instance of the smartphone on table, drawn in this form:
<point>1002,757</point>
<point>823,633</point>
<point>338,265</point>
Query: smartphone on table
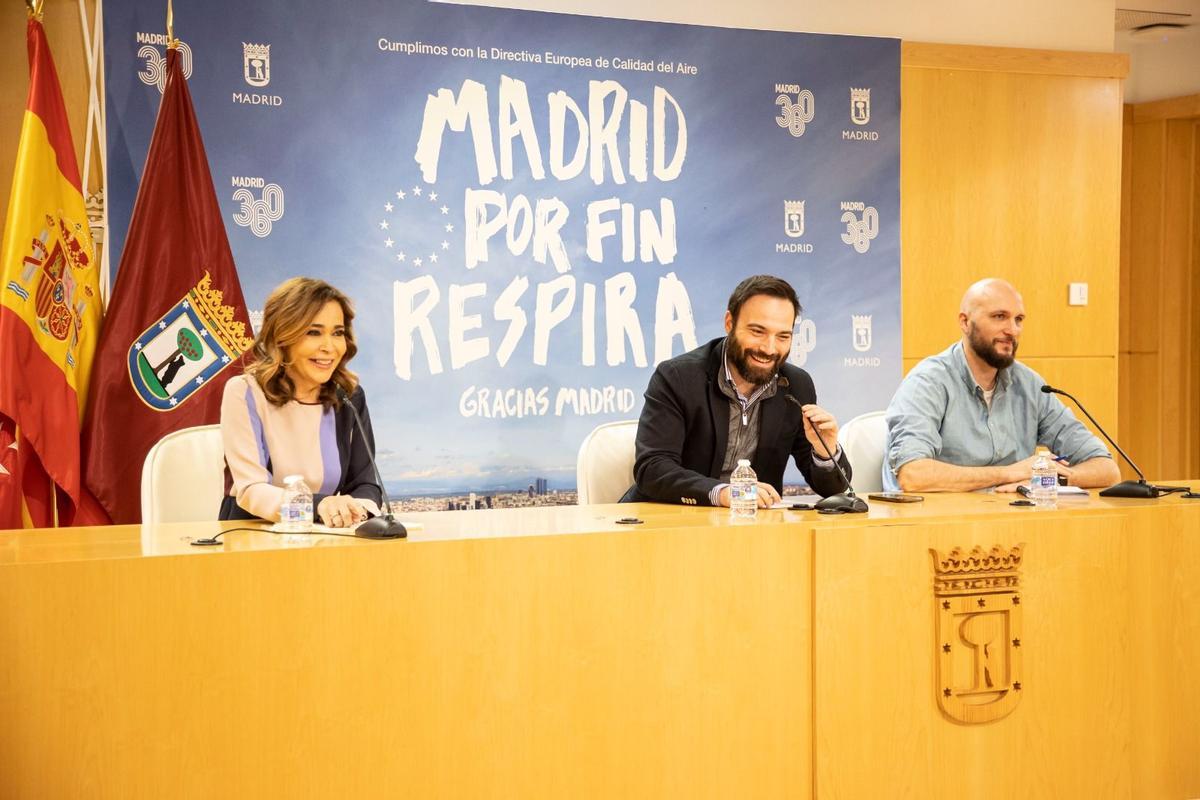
<point>896,497</point>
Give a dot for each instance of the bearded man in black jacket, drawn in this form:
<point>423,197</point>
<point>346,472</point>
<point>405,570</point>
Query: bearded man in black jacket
<point>733,398</point>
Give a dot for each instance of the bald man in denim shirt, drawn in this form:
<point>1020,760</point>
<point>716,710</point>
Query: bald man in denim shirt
<point>972,416</point>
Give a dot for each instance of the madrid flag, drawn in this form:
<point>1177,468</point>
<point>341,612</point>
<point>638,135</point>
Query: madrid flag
<point>176,324</point>
<point>49,311</point>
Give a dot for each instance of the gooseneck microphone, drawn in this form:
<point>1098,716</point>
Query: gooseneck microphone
<point>846,502</point>
<point>385,526</point>
<point>1136,489</point>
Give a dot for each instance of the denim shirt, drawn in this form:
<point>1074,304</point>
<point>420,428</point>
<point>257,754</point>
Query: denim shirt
<point>939,412</point>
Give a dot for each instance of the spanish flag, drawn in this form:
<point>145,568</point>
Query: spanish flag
<point>50,311</point>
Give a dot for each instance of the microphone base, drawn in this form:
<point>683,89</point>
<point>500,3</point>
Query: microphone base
<point>1132,489</point>
<point>385,527</point>
<point>845,503</point>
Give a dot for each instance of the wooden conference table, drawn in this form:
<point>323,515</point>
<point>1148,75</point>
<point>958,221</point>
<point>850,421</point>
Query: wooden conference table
<point>555,653</point>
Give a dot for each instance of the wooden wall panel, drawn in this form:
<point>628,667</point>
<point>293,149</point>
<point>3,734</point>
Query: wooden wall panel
<point>1124,404</point>
<point>1124,410</point>
<point>1013,60</point>
<point>1145,231</point>
<point>1016,176</point>
<point>1174,318</point>
<point>1192,412</point>
<point>1171,108</point>
<point>1092,380</point>
<point>1145,422</point>
<point>1161,341</point>
<point>1126,222</point>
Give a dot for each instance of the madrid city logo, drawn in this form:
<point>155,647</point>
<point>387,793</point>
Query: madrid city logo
<point>793,228</point>
<point>860,106</point>
<point>793,218</point>
<point>258,213</point>
<point>794,115</point>
<point>154,71</point>
<point>978,632</point>
<point>48,276</point>
<point>186,348</point>
<point>860,114</point>
<point>861,326</point>
<point>256,64</point>
<point>256,71</point>
<point>860,231</point>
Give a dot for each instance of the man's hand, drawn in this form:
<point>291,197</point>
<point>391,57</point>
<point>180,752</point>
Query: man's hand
<point>820,426</point>
<point>767,496</point>
<point>341,511</point>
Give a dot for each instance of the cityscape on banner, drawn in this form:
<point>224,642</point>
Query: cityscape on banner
<point>537,493</point>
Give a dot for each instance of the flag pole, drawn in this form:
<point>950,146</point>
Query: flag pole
<point>96,138</point>
<point>172,42</point>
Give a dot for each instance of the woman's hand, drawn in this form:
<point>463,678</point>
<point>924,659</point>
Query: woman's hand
<point>341,511</point>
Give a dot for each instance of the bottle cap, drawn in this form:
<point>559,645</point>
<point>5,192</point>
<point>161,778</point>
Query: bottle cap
<point>290,479</point>
<point>743,462</point>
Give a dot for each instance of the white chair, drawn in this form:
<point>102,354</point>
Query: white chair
<point>863,439</point>
<point>604,469</point>
<point>183,477</point>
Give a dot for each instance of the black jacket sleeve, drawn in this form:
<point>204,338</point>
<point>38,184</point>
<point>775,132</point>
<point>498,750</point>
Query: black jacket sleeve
<point>658,469</point>
<point>358,476</point>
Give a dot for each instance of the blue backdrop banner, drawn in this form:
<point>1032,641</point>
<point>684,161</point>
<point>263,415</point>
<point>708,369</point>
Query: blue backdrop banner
<point>531,210</point>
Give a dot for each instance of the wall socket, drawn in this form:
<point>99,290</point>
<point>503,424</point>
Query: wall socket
<point>1077,294</point>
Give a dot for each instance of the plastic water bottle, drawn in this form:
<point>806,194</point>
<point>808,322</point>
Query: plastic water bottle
<point>743,491</point>
<point>296,511</point>
<point>1043,483</point>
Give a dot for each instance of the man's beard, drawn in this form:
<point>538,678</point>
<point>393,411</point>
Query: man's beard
<point>987,350</point>
<point>749,370</point>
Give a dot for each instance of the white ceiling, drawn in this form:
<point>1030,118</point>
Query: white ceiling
<point>1158,68</point>
<point>1161,66</point>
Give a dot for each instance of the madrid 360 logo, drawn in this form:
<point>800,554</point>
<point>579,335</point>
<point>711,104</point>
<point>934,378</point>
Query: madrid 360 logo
<point>154,66</point>
<point>258,212</point>
<point>794,115</point>
<point>860,231</point>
